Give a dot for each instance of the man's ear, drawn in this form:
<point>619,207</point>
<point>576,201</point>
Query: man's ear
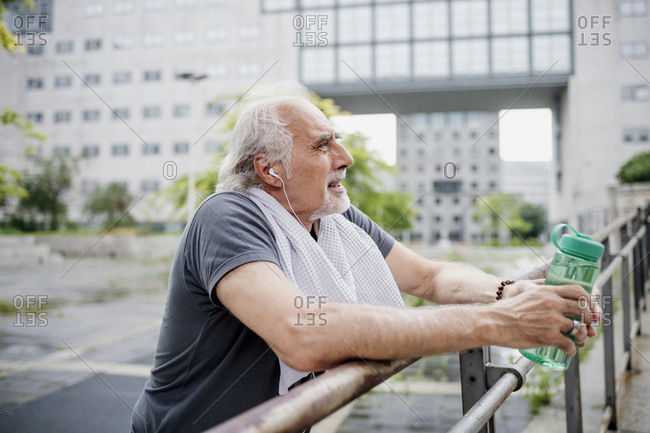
<point>262,168</point>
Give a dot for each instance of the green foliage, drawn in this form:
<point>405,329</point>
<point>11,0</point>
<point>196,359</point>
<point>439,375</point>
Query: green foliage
<point>495,212</point>
<point>111,201</point>
<point>43,206</point>
<point>13,118</point>
<point>637,169</point>
<point>8,40</point>
<point>540,388</point>
<point>10,185</point>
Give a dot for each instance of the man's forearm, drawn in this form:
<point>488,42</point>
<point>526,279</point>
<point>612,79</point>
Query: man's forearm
<point>458,283</point>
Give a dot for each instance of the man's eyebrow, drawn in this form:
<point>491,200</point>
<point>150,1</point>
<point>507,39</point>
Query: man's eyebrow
<point>327,137</point>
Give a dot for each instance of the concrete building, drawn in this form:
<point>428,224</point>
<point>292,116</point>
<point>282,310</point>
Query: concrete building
<point>137,89</point>
<point>528,180</point>
<point>586,60</point>
<point>447,162</point>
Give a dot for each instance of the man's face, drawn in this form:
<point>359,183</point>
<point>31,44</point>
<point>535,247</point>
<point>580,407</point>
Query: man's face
<point>318,164</point>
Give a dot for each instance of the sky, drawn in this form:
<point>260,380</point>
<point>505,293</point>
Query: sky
<point>524,135</point>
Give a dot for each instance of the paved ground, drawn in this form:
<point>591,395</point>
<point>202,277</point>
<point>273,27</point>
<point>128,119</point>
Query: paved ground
<point>82,365</point>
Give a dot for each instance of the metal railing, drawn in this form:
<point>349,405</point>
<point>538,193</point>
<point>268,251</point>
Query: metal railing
<point>485,385</point>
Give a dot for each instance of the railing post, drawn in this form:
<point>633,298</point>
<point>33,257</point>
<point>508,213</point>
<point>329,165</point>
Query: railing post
<point>638,271</point>
<point>473,380</point>
<point>572,398</point>
<point>608,336</point>
<point>627,328</point>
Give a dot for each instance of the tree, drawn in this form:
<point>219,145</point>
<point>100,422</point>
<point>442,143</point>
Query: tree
<point>535,215</point>
<point>637,169</point>
<point>496,212</point>
<point>111,201</point>
<point>11,179</point>
<point>43,206</point>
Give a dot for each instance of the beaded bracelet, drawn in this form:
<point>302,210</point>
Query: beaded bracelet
<point>502,286</point>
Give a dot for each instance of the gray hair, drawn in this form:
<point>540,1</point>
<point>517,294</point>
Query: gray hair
<point>260,129</point>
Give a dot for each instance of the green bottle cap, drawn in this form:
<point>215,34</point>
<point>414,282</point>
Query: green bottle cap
<point>577,245</point>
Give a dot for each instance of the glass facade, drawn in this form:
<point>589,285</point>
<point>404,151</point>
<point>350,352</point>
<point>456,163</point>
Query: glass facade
<point>435,39</point>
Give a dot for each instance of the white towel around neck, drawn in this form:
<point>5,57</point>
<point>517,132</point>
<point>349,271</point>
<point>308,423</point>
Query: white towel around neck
<point>344,266</point>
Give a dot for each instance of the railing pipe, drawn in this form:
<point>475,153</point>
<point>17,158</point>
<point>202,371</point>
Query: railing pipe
<point>474,420</point>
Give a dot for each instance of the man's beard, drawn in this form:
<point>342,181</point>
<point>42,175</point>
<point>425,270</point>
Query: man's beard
<point>334,203</point>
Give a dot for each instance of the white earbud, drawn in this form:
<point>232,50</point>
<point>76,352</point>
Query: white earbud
<point>274,174</point>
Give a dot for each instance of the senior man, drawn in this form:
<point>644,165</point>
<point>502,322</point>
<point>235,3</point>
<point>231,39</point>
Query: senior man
<point>277,277</point>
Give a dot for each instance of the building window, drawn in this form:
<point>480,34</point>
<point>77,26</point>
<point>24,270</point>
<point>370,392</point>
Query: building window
<point>91,115</point>
<point>181,110</point>
<point>93,44</point>
<point>62,151</point>
<point>149,185</point>
<point>470,57</point>
<point>355,25</point>
<point>123,43</point>
<point>150,149</point>
<point>89,186</point>
<point>154,75</point>
<point>120,150</point>
<point>36,117</point>
<point>120,113</point>
<point>635,93</point>
<point>469,18</point>
<point>65,81</point>
<point>550,15</point>
<point>249,32</point>
<point>93,10</point>
<point>152,40</point>
<point>213,146</point>
<point>35,83</point>
<point>62,116</point>
<point>151,112</point>
<point>153,5</point>
<point>492,151</point>
<point>121,77</point>
<point>392,60</point>
<point>249,69</point>
<point>359,59</point>
<point>185,4</point>
<point>431,59</point>
<point>90,151</point>
<point>217,71</point>
<point>181,147</point>
<point>214,108</point>
<point>318,64</point>
<point>430,20</point>
<point>634,50</point>
<point>123,7</point>
<point>392,22</point>
<point>64,47</point>
<point>635,135</point>
<point>458,218</point>
<point>184,38</point>
<point>92,79</point>
<point>492,185</point>
<point>216,35</point>
<point>633,8</point>
<point>456,200</point>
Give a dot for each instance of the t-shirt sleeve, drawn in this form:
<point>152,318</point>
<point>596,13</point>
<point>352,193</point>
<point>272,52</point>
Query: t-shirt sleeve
<point>227,231</point>
<point>383,240</point>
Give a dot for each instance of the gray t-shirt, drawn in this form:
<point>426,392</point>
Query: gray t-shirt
<point>209,366</point>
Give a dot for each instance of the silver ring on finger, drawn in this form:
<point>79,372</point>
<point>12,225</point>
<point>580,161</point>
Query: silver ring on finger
<point>576,327</point>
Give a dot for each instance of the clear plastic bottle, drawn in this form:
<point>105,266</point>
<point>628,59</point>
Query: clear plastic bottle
<point>577,261</point>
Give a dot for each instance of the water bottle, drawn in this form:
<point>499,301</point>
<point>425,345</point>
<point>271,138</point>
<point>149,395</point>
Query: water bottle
<point>575,262</point>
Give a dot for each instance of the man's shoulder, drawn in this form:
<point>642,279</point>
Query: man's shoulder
<point>228,204</point>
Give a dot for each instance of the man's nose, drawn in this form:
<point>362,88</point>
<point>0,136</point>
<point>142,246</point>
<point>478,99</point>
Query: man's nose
<point>343,158</point>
